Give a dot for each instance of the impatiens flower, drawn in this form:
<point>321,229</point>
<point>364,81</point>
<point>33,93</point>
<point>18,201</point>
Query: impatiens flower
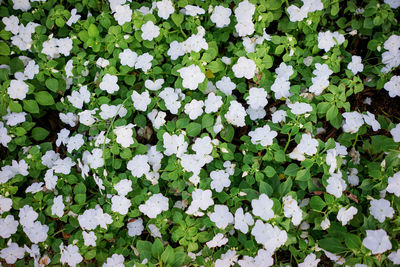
<point>212,103</point>
<point>221,216</point>
<point>220,180</point>
<point>116,260</point>
<point>381,209</point>
<point>257,98</point>
<point>299,108</point>
<point>70,255</point>
<point>226,85</point>
<point>12,252</point>
<point>135,227</point>
<point>393,86</point>
<point>236,114</point>
<point>327,40</point>
<point>109,83</point>
<point>165,8</point>
<point>8,226</point>
<point>310,261</point>
<point>120,204</point>
<point>244,67</point>
<point>271,237</point>
<point>123,14</point>
<point>128,57</point>
<point>141,101</point>
<point>292,210</point>
<point>17,89</point>
<point>336,185</point>
<point>243,220</point>
<point>138,165</point>
<point>355,65</point>
<point>218,241</point>
<point>124,135</point>
<point>244,16</point>
<point>262,207</point>
<point>194,109</point>
<point>263,136</point>
<point>58,206</point>
<point>395,132</point>
<point>395,256</point>
<point>377,241</point>
<point>144,62</point>
<point>353,121</point>
<point>192,76</point>
<point>150,31</point>
<point>220,16</point>
<point>154,205</point>
<point>345,215</point>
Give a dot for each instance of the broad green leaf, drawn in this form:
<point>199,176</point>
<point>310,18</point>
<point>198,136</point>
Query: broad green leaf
<point>317,203</point>
<point>193,129</point>
<point>52,84</point>
<point>44,98</point>
<point>4,49</point>
<point>30,106</point>
<point>39,133</point>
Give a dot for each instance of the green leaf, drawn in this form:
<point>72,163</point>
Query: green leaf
<point>381,143</point>
<point>80,198</point>
<point>52,84</point>
<point>4,49</point>
<point>44,98</point>
<point>30,106</point>
<point>291,170</point>
<point>332,245</point>
<point>317,203</point>
<point>80,189</point>
<point>39,133</point>
<point>168,255</point>
<point>207,121</point>
<point>157,248</point>
<point>332,113</point>
<point>14,106</point>
<point>177,18</point>
<point>303,175</point>
<point>144,249</point>
<point>216,66</point>
<point>193,129</point>
<point>93,31</point>
<point>227,133</point>
<point>265,188</point>
<point>352,241</point>
<point>269,171</point>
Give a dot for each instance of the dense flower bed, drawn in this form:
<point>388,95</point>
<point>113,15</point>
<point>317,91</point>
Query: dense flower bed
<point>200,133</point>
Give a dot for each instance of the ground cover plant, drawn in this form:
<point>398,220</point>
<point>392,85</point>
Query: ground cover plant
<point>199,133</point>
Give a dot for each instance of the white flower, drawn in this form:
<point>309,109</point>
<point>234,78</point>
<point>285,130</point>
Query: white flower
<point>345,215</point>
<point>244,15</point>
<point>109,83</point>
<point>353,121</point>
<point>194,109</point>
<point>380,209</point>
<point>135,228</point>
<point>336,185</point>
<point>8,226</point>
<point>212,103</point>
<point>141,101</point>
<point>393,4</point>
<point>5,204</point>
<point>393,86</point>
<point>70,255</point>
<point>394,184</point>
<point>225,85</point>
<point>243,220</point>
<point>377,241</point>
<point>124,135</point>
<point>22,5</point>
<point>310,261</point>
<point>123,187</point>
<point>395,132</point>
<point>193,11</point>
<point>102,62</point>
<point>244,67</point>
<point>257,98</point>
<point>391,58</point>
<point>201,199</point>
<point>144,62</point>
<point>165,8</point>
<point>202,146</point>
<point>4,137</point>
<point>220,180</point>
<point>74,17</point>
<point>154,205</point>
<point>128,57</point>
<point>191,76</point>
<point>271,237</point>
<point>325,223</point>
<point>116,260</point>
<point>123,14</point>
<point>218,241</point>
<point>236,114</point>
<point>13,252</point>
<point>120,204</point>
<point>138,165</point>
<point>395,256</point>
<point>75,143</point>
<point>371,121</point>
<point>221,216</point>
<point>11,24</point>
<point>220,16</point>
<point>63,137</point>
<point>14,118</point>
<point>299,108</point>
<point>154,86</point>
<point>263,136</point>
<point>355,65</point>
<point>37,232</point>
<point>279,116</point>
<point>150,31</point>
<point>174,144</point>
<point>58,206</point>
<point>17,89</point>
<point>327,40</point>
<point>262,207</point>
<point>89,238</point>
<point>292,210</point>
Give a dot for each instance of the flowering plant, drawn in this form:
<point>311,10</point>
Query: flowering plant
<point>199,133</point>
